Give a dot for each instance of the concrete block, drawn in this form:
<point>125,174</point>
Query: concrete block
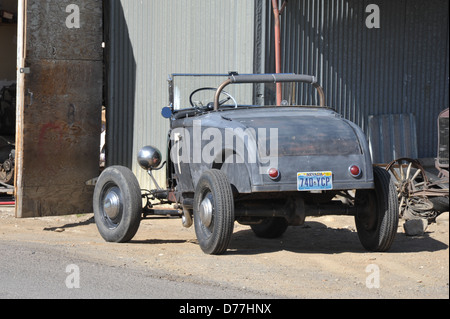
<point>415,227</point>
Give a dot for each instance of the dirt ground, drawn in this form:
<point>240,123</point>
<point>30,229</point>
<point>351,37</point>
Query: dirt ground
<point>321,259</point>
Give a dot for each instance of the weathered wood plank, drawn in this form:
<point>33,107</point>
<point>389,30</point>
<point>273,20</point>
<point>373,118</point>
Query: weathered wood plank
<point>59,123</point>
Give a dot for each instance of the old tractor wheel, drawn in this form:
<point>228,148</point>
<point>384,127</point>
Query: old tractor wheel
<point>117,204</point>
<point>213,212</point>
<point>410,182</point>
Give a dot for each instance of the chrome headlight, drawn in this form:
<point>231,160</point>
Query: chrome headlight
<point>149,157</point>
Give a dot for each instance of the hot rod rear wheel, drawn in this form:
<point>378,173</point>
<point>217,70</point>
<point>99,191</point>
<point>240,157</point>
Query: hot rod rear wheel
<point>213,212</point>
<point>117,204</point>
<point>377,224</point>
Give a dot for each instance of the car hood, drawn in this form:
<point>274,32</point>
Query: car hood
<point>309,132</point>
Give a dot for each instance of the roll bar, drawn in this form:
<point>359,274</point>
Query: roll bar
<point>269,78</point>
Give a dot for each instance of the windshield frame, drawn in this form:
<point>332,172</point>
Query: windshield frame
<point>234,78</point>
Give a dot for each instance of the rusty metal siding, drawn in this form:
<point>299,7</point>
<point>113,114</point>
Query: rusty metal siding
<point>58,108</point>
<point>402,67</point>
<point>147,41</point>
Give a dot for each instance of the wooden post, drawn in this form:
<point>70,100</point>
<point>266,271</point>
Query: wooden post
<point>58,106</point>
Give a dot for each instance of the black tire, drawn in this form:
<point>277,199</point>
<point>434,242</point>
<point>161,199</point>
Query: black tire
<point>377,224</point>
<point>117,204</point>
<point>440,204</point>
<point>272,227</point>
<point>213,224</point>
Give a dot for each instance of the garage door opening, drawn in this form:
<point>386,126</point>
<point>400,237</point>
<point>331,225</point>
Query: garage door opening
<point>8,57</point>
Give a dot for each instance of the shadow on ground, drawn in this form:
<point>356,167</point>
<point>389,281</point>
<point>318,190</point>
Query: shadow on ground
<point>315,237</point>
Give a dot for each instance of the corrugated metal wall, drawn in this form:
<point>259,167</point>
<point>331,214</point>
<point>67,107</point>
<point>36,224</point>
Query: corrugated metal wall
<point>148,40</point>
<point>402,67</point>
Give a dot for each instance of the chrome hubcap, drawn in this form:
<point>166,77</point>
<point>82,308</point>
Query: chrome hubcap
<point>206,210</point>
<point>111,203</point>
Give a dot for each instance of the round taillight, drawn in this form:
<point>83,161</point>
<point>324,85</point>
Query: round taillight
<point>273,173</point>
<point>355,171</point>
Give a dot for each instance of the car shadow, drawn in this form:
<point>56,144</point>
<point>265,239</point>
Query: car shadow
<point>159,241</point>
<point>71,225</point>
<point>312,238</point>
<point>317,238</point>
<point>414,244</point>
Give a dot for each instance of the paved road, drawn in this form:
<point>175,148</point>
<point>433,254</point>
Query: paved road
<point>29,271</point>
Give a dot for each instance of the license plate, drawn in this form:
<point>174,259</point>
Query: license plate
<point>314,181</point>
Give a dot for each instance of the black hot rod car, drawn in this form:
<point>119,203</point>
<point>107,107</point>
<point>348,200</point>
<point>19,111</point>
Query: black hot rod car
<point>231,156</point>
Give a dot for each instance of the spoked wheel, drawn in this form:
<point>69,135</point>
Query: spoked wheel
<point>410,181</point>
<point>377,220</point>
<point>117,204</point>
<point>213,212</point>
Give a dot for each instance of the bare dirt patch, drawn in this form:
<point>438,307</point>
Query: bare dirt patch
<point>322,259</point>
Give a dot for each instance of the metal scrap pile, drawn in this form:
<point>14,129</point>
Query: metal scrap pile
<point>421,194</point>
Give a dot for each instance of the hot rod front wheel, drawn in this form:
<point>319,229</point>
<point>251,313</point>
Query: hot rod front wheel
<point>213,212</point>
<point>377,222</point>
<point>117,204</point>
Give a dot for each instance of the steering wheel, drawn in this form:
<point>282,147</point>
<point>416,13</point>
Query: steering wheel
<point>210,105</point>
